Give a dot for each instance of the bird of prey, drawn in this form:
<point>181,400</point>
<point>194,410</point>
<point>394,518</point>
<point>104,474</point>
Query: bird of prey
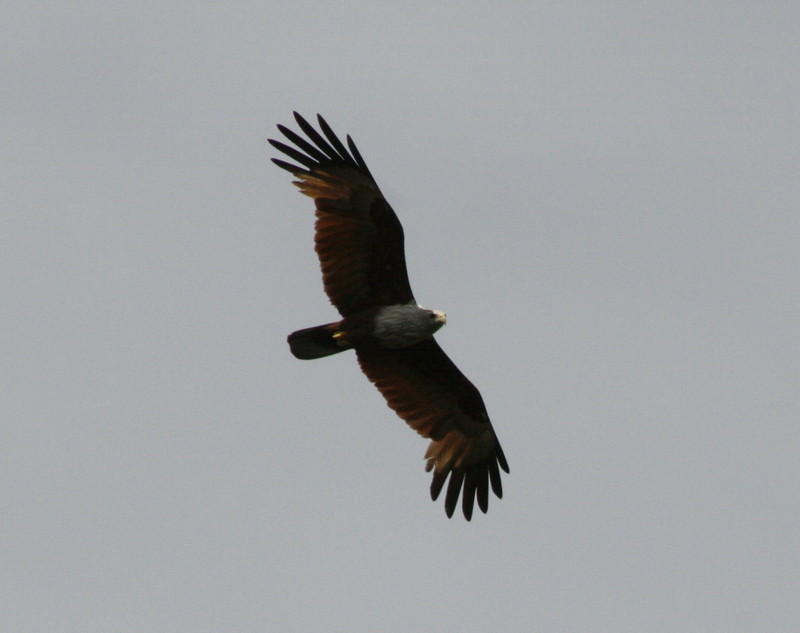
<point>359,241</point>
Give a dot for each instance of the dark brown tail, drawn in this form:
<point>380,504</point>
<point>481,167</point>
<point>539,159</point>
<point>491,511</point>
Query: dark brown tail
<point>315,342</point>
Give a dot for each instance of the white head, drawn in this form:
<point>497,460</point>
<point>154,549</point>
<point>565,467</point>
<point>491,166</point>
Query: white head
<point>435,318</point>
<point>405,324</point>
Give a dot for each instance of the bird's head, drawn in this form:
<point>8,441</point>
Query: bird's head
<point>437,318</point>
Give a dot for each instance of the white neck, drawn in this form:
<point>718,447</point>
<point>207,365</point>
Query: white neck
<point>402,325</point>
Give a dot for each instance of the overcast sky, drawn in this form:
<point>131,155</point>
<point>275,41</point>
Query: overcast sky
<point>602,196</point>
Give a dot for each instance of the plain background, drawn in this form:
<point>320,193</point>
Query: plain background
<point>602,196</point>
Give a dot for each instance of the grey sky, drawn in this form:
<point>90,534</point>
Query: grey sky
<point>602,196</point>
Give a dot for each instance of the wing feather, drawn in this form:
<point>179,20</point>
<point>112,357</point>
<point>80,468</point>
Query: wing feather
<point>359,239</point>
<point>334,140</point>
<point>291,152</point>
<point>303,144</point>
<point>318,140</point>
<point>425,388</point>
<point>356,154</point>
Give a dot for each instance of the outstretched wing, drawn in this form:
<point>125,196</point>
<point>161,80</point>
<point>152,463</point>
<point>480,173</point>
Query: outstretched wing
<point>428,391</point>
<point>358,238</point>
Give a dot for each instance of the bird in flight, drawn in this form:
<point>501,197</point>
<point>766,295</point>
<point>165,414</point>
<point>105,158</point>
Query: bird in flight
<point>359,241</point>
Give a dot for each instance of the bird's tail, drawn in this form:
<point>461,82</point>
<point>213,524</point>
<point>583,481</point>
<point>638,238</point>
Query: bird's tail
<point>316,342</point>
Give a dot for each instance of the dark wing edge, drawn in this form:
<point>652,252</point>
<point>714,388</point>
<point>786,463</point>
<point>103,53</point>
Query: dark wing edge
<point>359,239</point>
<point>426,389</point>
<point>475,478</point>
<point>326,152</point>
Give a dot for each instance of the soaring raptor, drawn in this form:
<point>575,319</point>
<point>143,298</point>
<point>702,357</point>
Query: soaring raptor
<point>359,241</point>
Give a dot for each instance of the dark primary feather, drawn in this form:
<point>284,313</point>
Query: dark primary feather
<point>333,154</point>
<point>303,144</point>
<point>328,132</point>
<point>291,152</point>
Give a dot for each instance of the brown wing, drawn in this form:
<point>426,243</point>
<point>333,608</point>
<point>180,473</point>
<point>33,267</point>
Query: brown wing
<point>428,391</point>
<point>358,238</point>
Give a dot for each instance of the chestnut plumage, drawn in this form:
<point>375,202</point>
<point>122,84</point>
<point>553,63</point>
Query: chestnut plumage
<point>360,245</point>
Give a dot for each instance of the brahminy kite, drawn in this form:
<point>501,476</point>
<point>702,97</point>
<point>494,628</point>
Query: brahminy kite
<point>359,241</point>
